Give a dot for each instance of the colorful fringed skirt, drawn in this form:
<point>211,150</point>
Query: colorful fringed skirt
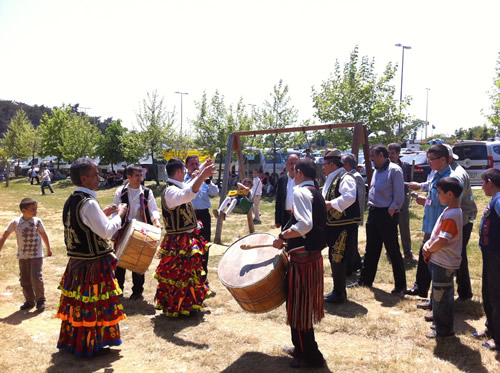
<point>181,285</point>
<point>305,290</point>
<point>89,308</point>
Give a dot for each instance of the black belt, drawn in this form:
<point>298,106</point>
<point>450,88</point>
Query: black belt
<point>288,212</point>
<point>377,208</point>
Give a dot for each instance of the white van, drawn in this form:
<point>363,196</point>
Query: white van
<point>477,156</point>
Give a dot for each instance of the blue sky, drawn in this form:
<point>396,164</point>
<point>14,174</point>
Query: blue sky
<point>106,55</point>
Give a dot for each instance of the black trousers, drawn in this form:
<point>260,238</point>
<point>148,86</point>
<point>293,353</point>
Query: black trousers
<point>206,220</point>
<point>342,240</point>
<point>423,278</point>
<point>306,346</point>
<point>137,280</point>
<point>491,293</point>
<point>382,229</point>
<point>354,261</point>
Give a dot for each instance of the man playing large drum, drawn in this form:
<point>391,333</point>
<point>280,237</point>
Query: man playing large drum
<point>305,237</point>
<point>141,206</point>
<point>181,286</point>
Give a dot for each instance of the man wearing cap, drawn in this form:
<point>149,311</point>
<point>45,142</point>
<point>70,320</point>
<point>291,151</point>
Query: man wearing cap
<point>351,165</point>
<point>343,217</point>
<point>385,198</point>
<point>284,193</point>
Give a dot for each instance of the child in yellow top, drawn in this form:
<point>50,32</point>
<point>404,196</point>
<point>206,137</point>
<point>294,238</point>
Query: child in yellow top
<point>232,200</point>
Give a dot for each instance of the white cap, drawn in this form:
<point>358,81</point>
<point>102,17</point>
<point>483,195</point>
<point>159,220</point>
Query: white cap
<point>450,151</point>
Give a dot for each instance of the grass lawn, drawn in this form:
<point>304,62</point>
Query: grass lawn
<point>373,332</point>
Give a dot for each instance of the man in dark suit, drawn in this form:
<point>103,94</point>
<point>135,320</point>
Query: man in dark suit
<point>284,193</point>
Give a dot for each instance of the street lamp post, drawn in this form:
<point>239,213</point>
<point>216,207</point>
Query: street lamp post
<point>426,112</point>
<point>182,94</point>
<point>403,47</point>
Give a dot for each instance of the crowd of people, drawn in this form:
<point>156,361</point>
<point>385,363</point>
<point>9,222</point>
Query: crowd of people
<point>309,219</point>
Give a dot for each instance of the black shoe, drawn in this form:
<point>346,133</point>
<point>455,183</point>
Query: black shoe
<point>358,284</point>
<point>40,305</point>
<point>26,306</point>
<point>425,305</point>
<point>333,298</point>
<point>415,292</point>
<point>136,296</point>
<point>397,291</point>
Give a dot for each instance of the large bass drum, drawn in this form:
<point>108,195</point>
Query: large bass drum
<point>256,278</point>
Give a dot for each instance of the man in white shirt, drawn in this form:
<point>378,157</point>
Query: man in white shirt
<point>46,180</point>
<point>181,284</point>
<point>256,195</point>
<point>284,193</point>
<point>141,206</point>
<point>340,193</point>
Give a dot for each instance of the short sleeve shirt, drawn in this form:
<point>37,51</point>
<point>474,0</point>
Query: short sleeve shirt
<point>448,226</point>
<point>29,241</point>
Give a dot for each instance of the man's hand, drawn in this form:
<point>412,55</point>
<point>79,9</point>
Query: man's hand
<point>413,185</point>
<point>426,254</point>
<point>278,243</point>
<point>157,223</point>
<point>277,225</point>
<point>207,171</point>
<point>122,209</point>
<point>49,252</point>
<point>392,212</point>
<point>328,206</point>
<point>110,209</point>
<point>420,200</point>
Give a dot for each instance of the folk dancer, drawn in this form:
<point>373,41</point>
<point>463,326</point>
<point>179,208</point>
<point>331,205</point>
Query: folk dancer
<point>343,217</point>
<point>89,307</point>
<point>181,285</point>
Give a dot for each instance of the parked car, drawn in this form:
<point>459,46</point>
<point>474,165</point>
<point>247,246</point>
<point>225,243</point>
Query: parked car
<point>477,156</point>
<point>421,169</point>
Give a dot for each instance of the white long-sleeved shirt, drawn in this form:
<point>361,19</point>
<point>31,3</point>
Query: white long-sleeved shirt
<point>347,189</point>
<point>94,218</point>
<point>134,203</point>
<point>174,196</point>
<point>302,208</point>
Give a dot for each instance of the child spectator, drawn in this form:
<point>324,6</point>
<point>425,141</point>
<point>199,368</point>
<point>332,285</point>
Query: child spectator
<point>233,198</point>
<point>29,229</point>
<point>489,242</point>
<point>256,195</point>
<point>443,254</point>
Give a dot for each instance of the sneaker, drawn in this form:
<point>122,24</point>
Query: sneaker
<point>40,305</point>
<point>26,306</point>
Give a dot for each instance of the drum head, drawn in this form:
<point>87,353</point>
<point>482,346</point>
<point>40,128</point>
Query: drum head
<point>240,268</point>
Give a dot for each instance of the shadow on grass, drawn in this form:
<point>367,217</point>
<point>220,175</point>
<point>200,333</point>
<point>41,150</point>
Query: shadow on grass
<point>18,317</point>
<point>62,184</point>
<point>386,299</point>
<point>65,361</point>
<point>463,357</point>
<point>348,310</point>
<point>470,309</point>
<point>168,328</point>
<point>137,307</point>
<point>259,362</point>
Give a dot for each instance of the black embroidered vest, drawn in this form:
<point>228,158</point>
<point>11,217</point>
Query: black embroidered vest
<point>179,219</point>
<point>81,242</point>
<point>145,210</point>
<point>315,239</point>
<point>350,215</point>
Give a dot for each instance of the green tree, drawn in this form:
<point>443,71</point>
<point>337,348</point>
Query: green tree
<point>14,140</point>
<point>156,125</point>
<point>494,115</point>
<point>110,148</point>
<point>133,146</point>
<point>79,138</point>
<point>52,128</point>
<point>356,93</point>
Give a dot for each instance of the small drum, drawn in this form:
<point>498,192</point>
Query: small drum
<point>137,246</point>
<point>256,278</point>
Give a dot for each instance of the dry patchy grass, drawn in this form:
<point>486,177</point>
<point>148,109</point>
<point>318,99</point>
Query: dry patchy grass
<point>373,331</point>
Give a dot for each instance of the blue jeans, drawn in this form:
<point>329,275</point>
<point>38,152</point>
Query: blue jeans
<point>442,298</point>
<point>46,184</point>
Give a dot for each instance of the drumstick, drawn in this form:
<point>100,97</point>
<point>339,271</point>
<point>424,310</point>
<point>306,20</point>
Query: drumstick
<point>248,247</point>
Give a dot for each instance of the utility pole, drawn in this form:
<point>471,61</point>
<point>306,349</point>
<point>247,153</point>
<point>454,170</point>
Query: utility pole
<point>182,94</point>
